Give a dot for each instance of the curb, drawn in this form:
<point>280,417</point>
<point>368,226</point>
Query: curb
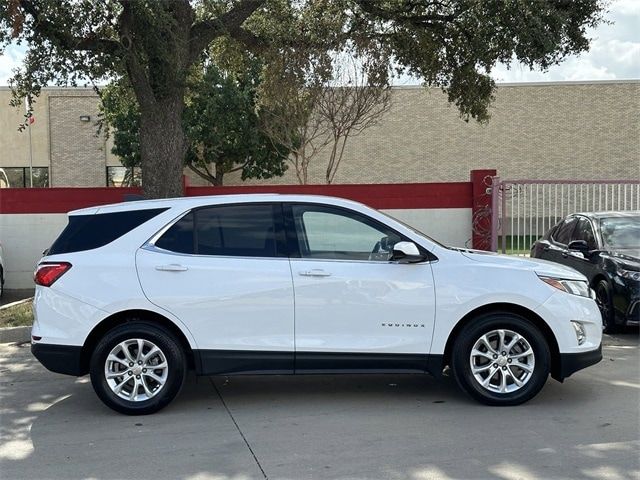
<point>19,302</point>
<point>15,334</point>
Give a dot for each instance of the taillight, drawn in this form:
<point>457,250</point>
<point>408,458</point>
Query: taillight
<point>47,273</point>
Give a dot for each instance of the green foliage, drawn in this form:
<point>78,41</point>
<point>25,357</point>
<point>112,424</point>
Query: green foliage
<point>120,114</point>
<point>221,124</point>
<point>152,46</point>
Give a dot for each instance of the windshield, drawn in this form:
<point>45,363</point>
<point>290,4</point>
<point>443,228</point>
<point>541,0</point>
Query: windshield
<point>620,232</point>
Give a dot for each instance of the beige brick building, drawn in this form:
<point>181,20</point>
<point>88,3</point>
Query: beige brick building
<point>569,130</point>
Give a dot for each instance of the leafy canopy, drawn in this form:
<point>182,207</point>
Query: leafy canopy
<point>154,44</point>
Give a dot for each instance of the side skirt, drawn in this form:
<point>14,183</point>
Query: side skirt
<point>243,362</point>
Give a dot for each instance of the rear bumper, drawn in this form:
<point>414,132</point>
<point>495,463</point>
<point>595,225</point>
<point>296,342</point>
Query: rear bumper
<point>572,362</point>
<point>65,359</point>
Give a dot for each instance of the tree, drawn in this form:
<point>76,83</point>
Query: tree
<point>223,128</point>
<point>323,111</point>
<point>357,100</point>
<point>221,124</point>
<point>290,117</point>
<point>153,44</point>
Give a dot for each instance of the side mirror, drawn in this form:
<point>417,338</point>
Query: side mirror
<point>406,252</point>
<point>579,246</point>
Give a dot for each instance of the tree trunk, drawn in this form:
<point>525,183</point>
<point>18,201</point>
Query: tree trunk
<point>219,175</point>
<point>162,147</point>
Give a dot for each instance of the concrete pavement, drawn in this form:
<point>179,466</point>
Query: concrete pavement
<point>324,427</point>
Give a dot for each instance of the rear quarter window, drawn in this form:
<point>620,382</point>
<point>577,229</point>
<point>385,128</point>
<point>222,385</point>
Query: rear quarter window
<point>86,232</point>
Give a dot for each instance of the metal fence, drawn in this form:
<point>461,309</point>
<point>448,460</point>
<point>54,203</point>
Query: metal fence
<point>523,210</point>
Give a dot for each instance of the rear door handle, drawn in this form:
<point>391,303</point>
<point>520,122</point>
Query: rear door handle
<point>316,272</point>
<point>172,267</point>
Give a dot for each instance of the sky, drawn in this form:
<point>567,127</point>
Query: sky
<point>614,54</point>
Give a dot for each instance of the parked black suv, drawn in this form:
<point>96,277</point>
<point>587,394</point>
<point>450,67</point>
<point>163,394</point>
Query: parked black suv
<point>605,247</point>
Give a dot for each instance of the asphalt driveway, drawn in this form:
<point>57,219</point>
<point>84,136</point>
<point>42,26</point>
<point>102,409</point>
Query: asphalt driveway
<point>317,427</point>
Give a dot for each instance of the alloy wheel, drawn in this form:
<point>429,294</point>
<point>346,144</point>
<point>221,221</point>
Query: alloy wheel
<point>502,361</point>
<point>136,369</point>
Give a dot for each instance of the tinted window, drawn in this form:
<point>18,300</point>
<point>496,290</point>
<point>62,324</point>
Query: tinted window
<point>229,230</point>
<point>236,230</point>
<point>562,234</point>
<point>179,238</point>
<point>584,231</point>
<point>86,232</point>
<point>337,234</point>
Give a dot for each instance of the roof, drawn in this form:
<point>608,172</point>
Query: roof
<point>610,213</point>
<point>192,202</point>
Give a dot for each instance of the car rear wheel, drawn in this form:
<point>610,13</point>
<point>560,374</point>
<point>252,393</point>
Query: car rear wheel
<point>138,368</point>
<point>604,300</point>
<point>501,359</point>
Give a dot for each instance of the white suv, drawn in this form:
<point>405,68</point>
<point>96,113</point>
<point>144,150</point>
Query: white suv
<point>137,293</point>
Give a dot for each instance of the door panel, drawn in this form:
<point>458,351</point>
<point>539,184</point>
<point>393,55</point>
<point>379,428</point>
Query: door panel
<point>351,299</point>
<point>363,307</point>
<point>227,303</point>
<point>239,308</point>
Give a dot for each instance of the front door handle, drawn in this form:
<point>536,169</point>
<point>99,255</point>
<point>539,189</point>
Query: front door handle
<point>316,272</point>
<point>172,267</point>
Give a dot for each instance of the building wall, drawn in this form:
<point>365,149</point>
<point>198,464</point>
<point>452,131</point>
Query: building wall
<point>569,130</point>
<point>78,153</point>
<point>588,130</point>
<point>72,149</point>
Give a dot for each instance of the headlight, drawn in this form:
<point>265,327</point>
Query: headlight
<point>575,287</point>
<point>629,274</point>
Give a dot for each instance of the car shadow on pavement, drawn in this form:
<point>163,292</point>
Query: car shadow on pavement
<point>324,426</point>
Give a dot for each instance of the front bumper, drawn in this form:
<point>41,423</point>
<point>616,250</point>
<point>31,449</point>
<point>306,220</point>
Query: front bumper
<point>572,362</point>
<point>65,359</point>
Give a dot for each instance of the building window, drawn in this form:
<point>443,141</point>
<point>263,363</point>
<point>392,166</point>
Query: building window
<point>124,176</point>
<point>18,177</point>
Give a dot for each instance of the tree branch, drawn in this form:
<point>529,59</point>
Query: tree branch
<point>69,42</point>
<point>209,178</point>
<point>136,72</point>
<point>205,31</point>
<point>408,14</point>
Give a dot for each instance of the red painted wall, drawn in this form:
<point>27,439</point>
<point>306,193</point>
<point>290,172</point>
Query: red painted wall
<point>381,196</point>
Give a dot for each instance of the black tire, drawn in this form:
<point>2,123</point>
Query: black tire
<point>605,304</point>
<point>473,331</point>
<point>170,348</point>
<point>1,282</point>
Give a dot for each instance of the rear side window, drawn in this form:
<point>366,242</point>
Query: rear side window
<point>229,230</point>
<point>86,232</point>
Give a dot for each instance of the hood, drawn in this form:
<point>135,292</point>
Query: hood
<point>627,255</point>
<point>541,267</point>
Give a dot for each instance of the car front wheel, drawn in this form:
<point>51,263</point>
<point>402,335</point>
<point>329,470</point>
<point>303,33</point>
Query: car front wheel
<point>501,359</point>
<point>137,368</point>
<point>605,304</point>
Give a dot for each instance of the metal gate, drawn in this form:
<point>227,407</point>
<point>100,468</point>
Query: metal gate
<point>523,210</point>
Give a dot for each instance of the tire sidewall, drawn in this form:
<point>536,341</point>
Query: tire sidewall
<point>608,320</point>
<point>473,331</point>
<point>162,339</point>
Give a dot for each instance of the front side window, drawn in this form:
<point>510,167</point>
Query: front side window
<point>336,234</point>
<point>562,234</point>
<point>584,231</point>
<point>227,230</point>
